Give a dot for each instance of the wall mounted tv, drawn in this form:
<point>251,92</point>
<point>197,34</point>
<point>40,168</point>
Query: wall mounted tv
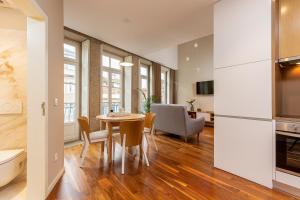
<point>205,87</point>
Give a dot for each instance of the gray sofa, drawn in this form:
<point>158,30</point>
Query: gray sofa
<point>173,118</point>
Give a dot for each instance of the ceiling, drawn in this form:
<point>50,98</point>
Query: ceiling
<point>141,26</point>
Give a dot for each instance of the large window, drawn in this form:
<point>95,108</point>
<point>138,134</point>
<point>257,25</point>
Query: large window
<point>144,84</point>
<point>70,81</point>
<point>111,83</point>
<point>164,85</point>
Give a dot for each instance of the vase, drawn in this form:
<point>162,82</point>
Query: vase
<point>192,108</point>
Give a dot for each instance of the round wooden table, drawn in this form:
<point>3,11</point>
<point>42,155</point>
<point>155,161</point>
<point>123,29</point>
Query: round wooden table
<point>110,121</point>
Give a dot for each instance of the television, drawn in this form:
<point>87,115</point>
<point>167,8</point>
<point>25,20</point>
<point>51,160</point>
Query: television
<point>205,87</point>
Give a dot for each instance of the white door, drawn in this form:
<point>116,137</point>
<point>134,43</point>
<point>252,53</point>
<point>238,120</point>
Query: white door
<point>71,90</point>
<point>37,109</point>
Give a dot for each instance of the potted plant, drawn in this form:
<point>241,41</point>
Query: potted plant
<point>191,102</point>
<point>148,101</point>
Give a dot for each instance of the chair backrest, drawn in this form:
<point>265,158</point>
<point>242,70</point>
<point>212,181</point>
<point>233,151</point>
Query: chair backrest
<point>84,126</point>
<point>149,120</point>
<point>134,132</point>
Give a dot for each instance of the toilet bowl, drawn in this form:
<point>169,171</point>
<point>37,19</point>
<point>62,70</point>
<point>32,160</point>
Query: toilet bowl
<point>12,163</point>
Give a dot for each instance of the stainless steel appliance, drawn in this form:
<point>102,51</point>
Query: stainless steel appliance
<point>288,147</point>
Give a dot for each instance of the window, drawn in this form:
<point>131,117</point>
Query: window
<point>111,84</point>
<point>144,84</point>
<point>164,85</point>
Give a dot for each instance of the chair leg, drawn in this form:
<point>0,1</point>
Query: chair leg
<point>123,153</point>
<point>185,139</point>
<point>153,140</point>
<point>146,158</point>
<point>113,149</point>
<point>146,138</point>
<point>82,150</point>
<point>86,148</point>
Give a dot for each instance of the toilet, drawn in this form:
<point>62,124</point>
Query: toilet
<point>12,163</point>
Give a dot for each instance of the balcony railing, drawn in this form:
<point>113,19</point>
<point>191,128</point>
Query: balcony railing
<point>69,111</point>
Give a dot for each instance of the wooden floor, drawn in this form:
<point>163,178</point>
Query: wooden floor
<point>178,171</point>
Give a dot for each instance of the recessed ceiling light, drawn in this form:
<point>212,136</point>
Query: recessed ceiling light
<point>283,10</point>
<point>187,58</point>
<point>196,45</point>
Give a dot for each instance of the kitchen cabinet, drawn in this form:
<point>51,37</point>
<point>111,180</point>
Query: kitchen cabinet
<point>289,28</point>
<point>244,90</point>
<point>242,32</point>
<point>244,147</point>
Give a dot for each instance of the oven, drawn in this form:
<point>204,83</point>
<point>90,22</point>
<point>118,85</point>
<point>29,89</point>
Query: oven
<point>288,147</point>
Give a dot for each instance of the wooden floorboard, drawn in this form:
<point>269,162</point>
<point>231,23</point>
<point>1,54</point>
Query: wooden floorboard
<point>178,171</point>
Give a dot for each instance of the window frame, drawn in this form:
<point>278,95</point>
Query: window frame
<point>76,63</point>
<point>166,94</point>
<point>148,78</point>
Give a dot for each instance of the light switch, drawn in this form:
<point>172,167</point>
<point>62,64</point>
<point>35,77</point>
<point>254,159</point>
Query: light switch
<point>55,101</point>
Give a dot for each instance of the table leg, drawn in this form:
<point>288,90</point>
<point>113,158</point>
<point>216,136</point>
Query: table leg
<point>109,149</point>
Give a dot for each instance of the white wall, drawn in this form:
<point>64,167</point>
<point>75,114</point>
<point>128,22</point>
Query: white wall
<point>12,19</point>
<point>199,67</point>
<point>54,11</point>
<point>167,57</point>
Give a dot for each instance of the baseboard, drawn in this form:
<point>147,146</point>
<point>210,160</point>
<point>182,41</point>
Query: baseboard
<point>55,180</point>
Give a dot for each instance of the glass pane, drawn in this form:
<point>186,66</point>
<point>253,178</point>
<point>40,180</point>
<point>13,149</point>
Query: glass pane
<point>105,94</point>
<point>69,73</point>
<point>144,71</point>
<point>105,78</point>
<point>69,96</point>
<point>105,61</point>
<point>163,91</point>
<point>163,76</point>
<point>69,92</point>
<point>116,94</point>
<point>115,63</point>
<point>116,106</point>
<point>104,108</point>
<point>69,51</point>
<point>116,80</point>
<point>69,112</point>
<point>144,84</point>
<point>69,83</point>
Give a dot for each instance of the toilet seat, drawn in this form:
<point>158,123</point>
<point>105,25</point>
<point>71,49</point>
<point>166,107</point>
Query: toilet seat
<point>8,155</point>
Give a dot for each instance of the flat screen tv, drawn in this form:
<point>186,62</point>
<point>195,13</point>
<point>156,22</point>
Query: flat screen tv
<point>205,88</point>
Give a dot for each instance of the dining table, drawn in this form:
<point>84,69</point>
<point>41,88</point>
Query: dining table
<point>112,120</point>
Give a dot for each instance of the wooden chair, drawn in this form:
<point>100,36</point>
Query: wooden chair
<point>131,133</point>
<point>149,127</point>
<point>89,137</point>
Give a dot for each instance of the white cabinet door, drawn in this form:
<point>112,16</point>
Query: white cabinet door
<point>242,32</point>
<point>244,147</point>
<point>244,90</point>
